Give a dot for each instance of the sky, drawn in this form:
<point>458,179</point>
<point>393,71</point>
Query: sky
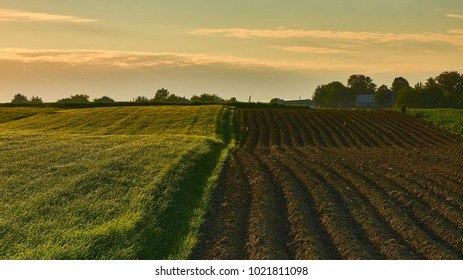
<point>242,48</point>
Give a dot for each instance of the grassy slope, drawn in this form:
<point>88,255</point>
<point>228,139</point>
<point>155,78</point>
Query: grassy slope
<point>11,114</point>
<point>108,183</point>
<point>192,121</point>
<point>449,119</point>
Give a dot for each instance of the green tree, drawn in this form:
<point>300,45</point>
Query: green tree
<point>19,98</point>
<point>104,99</point>
<point>141,99</point>
<point>451,82</point>
<point>334,94</point>
<point>173,98</point>
<point>78,98</point>
<point>36,100</point>
<point>319,95</point>
<point>383,96</point>
<point>161,95</point>
<point>276,101</point>
<point>361,84</point>
<point>207,98</point>
<point>406,97</point>
<point>429,96</point>
<point>399,83</point>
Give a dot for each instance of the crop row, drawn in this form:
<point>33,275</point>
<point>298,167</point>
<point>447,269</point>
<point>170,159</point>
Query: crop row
<point>340,128</point>
<point>304,186</point>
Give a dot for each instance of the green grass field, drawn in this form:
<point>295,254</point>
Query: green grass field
<point>108,183</point>
<point>449,119</point>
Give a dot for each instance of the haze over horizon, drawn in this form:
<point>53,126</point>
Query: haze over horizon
<point>264,49</point>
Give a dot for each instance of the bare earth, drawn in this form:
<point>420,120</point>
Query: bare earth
<point>338,184</point>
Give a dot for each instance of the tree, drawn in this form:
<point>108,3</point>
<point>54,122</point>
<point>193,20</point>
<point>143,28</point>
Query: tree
<point>360,84</point>
<point>276,101</point>
<point>429,96</point>
<point>383,96</point>
<point>173,98</point>
<point>451,82</point>
<point>399,83</point>
<point>161,95</point>
<point>334,94</point>
<point>406,97</point>
<point>78,98</point>
<point>320,94</point>
<point>104,99</point>
<point>207,98</point>
<point>141,99</point>
<point>19,98</point>
<point>36,100</point>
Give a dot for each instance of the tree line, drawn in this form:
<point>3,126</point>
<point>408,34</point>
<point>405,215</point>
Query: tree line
<point>444,90</point>
<point>161,96</point>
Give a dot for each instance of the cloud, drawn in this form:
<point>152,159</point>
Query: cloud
<point>313,50</point>
<point>456,31</point>
<point>16,15</point>
<point>128,59</point>
<point>458,16</point>
<point>136,60</point>
<point>104,60</point>
<point>366,37</point>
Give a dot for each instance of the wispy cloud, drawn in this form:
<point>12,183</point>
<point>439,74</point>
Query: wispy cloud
<point>366,37</point>
<point>314,50</point>
<point>131,60</point>
<point>458,16</point>
<point>94,59</point>
<point>456,31</point>
<point>16,15</point>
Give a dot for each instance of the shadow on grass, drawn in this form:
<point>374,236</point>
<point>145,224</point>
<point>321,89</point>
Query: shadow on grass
<point>165,231</point>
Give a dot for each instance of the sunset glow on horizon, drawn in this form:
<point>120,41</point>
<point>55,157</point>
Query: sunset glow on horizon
<point>264,49</point>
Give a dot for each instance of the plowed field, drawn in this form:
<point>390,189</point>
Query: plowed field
<point>338,184</point>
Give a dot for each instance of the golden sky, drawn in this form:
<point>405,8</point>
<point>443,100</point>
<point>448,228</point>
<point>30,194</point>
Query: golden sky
<point>264,49</point>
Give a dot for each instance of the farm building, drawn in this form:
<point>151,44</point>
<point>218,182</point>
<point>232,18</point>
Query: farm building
<point>365,101</point>
<point>368,101</point>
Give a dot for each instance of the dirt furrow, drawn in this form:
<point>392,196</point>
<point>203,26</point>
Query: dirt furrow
<point>337,184</point>
<point>395,206</point>
<point>308,237</point>
<point>318,132</point>
<point>307,131</point>
<point>252,130</point>
<point>377,229</point>
<point>342,138</point>
<point>346,233</point>
<point>422,128</point>
<point>271,127</point>
<point>381,130</point>
<point>225,231</point>
<point>419,184</point>
<point>294,133</point>
<point>368,136</point>
<point>267,229</point>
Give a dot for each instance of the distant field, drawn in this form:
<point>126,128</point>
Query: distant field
<point>449,119</point>
<point>107,183</point>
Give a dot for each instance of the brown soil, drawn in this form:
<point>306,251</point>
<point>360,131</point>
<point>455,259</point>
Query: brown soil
<point>338,184</point>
